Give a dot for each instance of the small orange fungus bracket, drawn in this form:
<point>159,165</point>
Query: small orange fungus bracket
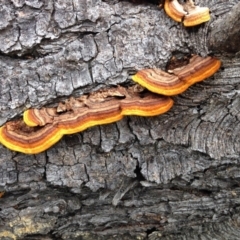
<point>174,10</point>
<point>187,13</point>
<point>158,81</point>
<point>41,128</point>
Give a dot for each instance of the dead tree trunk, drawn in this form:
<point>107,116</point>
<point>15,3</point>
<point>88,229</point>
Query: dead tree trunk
<point>174,176</point>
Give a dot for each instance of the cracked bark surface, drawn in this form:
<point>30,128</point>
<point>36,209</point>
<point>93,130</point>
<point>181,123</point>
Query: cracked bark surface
<point>174,176</point>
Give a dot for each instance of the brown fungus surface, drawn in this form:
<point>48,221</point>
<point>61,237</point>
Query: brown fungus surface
<point>41,128</point>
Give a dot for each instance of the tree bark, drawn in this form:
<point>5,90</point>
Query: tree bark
<point>225,32</point>
<point>174,176</point>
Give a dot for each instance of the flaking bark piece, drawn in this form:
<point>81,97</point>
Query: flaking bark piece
<point>70,104</point>
<point>18,136</point>
<point>168,84</point>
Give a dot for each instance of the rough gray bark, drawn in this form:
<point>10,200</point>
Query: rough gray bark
<point>225,32</point>
<point>175,176</point>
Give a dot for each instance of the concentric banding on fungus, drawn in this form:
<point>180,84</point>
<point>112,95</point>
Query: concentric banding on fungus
<point>198,69</point>
<point>80,121</point>
<point>44,137</point>
<point>197,16</point>
<point>17,136</point>
<point>39,117</point>
<point>187,13</point>
<point>22,140</point>
<point>164,83</point>
<point>158,81</point>
<point>174,10</point>
<point>104,106</point>
<point>151,105</point>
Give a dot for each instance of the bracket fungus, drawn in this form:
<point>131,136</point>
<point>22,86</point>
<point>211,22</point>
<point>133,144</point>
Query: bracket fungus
<point>187,13</point>
<point>169,84</point>
<point>40,129</point>
<point>174,10</point>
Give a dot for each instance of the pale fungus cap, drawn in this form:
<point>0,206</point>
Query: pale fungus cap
<point>188,13</point>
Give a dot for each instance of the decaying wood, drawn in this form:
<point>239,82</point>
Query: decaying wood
<point>174,176</point>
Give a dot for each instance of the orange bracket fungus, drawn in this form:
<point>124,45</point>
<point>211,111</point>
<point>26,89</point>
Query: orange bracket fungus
<point>158,81</point>
<point>174,10</point>
<point>187,13</point>
<point>40,129</point>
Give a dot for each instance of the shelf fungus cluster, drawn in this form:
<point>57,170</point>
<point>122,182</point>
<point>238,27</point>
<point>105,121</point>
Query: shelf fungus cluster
<point>176,82</point>
<point>41,128</point>
<point>187,13</point>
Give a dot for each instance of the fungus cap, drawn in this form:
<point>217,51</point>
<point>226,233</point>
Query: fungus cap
<point>164,83</point>
<point>174,10</point>
<point>100,108</point>
<point>187,13</point>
